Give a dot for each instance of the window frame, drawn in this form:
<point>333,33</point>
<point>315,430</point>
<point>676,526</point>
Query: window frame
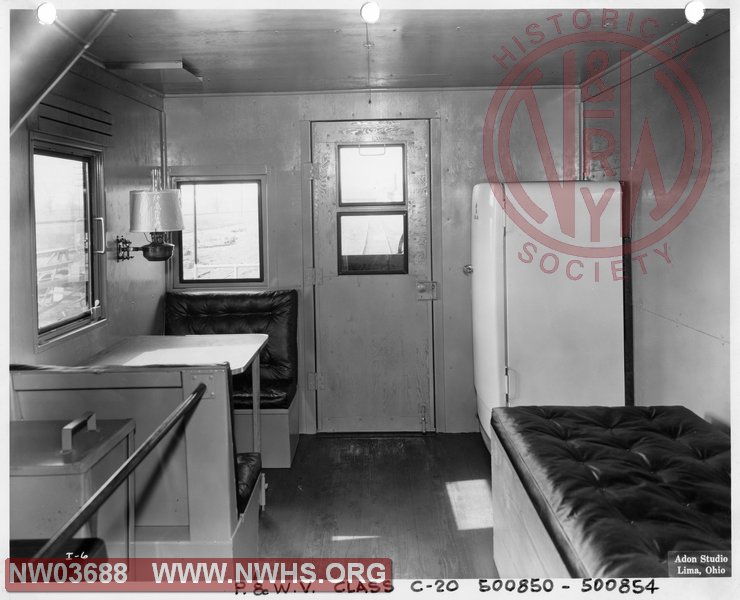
<point>176,268</point>
<point>403,270</point>
<point>372,208</point>
<point>50,145</point>
<point>365,205</point>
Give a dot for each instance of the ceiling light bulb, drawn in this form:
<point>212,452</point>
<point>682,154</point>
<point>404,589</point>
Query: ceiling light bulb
<point>370,12</point>
<point>46,13</point>
<point>694,12</point>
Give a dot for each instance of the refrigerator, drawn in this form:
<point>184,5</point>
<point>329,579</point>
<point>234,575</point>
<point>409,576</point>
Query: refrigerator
<point>547,304</point>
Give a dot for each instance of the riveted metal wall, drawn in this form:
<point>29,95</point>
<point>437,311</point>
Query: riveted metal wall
<point>266,130</point>
<point>681,308</point>
<point>134,288</point>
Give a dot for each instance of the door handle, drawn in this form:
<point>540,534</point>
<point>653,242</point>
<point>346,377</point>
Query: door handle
<point>101,220</point>
<point>512,385</point>
<point>86,420</point>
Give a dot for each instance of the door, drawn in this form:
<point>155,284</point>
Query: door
<point>565,324</point>
<point>373,288</point>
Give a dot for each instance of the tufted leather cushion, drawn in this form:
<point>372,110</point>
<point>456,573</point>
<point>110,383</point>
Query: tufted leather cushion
<point>274,313</point>
<point>275,395</point>
<point>248,467</point>
<point>620,487</point>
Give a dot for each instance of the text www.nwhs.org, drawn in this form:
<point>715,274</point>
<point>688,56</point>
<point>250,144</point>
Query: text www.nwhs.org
<point>278,575</point>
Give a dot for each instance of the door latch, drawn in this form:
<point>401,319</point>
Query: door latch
<point>426,290</point>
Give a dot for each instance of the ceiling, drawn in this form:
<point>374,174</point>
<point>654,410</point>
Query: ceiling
<point>260,51</point>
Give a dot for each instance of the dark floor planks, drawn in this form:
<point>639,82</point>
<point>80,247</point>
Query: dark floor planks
<point>421,500</point>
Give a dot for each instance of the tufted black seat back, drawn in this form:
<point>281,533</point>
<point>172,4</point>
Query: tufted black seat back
<point>274,313</point>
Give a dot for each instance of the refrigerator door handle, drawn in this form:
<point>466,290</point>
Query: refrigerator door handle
<point>512,385</point>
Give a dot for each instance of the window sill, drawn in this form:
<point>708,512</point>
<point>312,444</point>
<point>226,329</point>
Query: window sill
<point>44,344</point>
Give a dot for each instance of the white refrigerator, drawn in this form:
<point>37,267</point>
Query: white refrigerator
<point>548,325</point>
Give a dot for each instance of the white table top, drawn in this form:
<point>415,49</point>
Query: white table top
<point>238,349</point>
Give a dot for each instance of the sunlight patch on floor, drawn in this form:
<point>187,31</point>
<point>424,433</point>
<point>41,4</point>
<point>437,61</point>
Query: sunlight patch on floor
<point>347,538</point>
<point>471,504</point>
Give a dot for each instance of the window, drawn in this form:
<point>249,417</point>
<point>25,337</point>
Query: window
<point>372,243</point>
<point>372,228</point>
<point>222,239</point>
<point>371,174</point>
<point>69,236</point>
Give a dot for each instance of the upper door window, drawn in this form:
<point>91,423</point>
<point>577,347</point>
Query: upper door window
<point>222,239</point>
<point>372,174</point>
<point>69,237</point>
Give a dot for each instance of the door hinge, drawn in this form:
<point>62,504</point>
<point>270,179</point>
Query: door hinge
<point>313,276</point>
<point>423,417</point>
<point>426,290</point>
<point>506,384</point>
<point>315,382</point>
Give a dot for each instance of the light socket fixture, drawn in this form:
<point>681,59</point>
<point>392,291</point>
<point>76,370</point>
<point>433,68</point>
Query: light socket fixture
<point>694,11</point>
<point>157,212</point>
<point>370,12</point>
<point>46,13</point>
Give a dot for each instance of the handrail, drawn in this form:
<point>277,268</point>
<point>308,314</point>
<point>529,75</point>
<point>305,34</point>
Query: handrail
<point>61,537</point>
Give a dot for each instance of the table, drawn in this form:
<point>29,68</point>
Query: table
<point>239,350</point>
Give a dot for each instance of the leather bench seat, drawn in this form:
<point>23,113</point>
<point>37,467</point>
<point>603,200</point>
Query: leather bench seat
<point>273,312</point>
<point>248,468</point>
<point>277,395</point>
<point>618,488</point>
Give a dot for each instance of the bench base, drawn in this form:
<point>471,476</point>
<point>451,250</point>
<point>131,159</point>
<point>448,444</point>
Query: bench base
<point>279,434</point>
<point>175,542</point>
<point>522,547</point>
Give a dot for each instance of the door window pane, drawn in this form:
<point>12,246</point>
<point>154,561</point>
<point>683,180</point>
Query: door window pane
<point>61,188</point>
<point>372,243</point>
<point>222,239</point>
<point>371,174</point>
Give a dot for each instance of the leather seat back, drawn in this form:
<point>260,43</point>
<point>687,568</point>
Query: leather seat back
<point>273,312</point>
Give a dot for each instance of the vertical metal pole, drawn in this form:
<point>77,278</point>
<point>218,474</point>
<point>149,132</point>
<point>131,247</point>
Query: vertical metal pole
<point>131,516</point>
<point>256,416</point>
<point>195,229</point>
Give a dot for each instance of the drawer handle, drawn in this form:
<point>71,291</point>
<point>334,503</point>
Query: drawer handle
<point>74,426</point>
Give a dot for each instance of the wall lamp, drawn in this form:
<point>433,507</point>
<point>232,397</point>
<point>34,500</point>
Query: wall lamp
<point>157,212</point>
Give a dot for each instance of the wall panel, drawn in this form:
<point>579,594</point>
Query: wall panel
<point>135,287</point>
<point>682,308</point>
<point>266,130</point>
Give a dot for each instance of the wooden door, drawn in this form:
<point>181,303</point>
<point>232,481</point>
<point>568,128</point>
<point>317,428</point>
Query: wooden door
<point>373,288</point>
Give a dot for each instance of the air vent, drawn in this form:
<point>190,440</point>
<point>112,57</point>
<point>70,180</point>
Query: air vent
<point>61,116</point>
<point>156,74</point>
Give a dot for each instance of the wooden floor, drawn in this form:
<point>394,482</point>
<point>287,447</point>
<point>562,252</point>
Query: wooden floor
<point>421,500</point>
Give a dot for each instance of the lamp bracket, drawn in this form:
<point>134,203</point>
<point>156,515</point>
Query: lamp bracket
<point>123,249</point>
<point>158,250</point>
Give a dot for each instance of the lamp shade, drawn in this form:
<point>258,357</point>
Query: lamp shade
<point>155,211</point>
